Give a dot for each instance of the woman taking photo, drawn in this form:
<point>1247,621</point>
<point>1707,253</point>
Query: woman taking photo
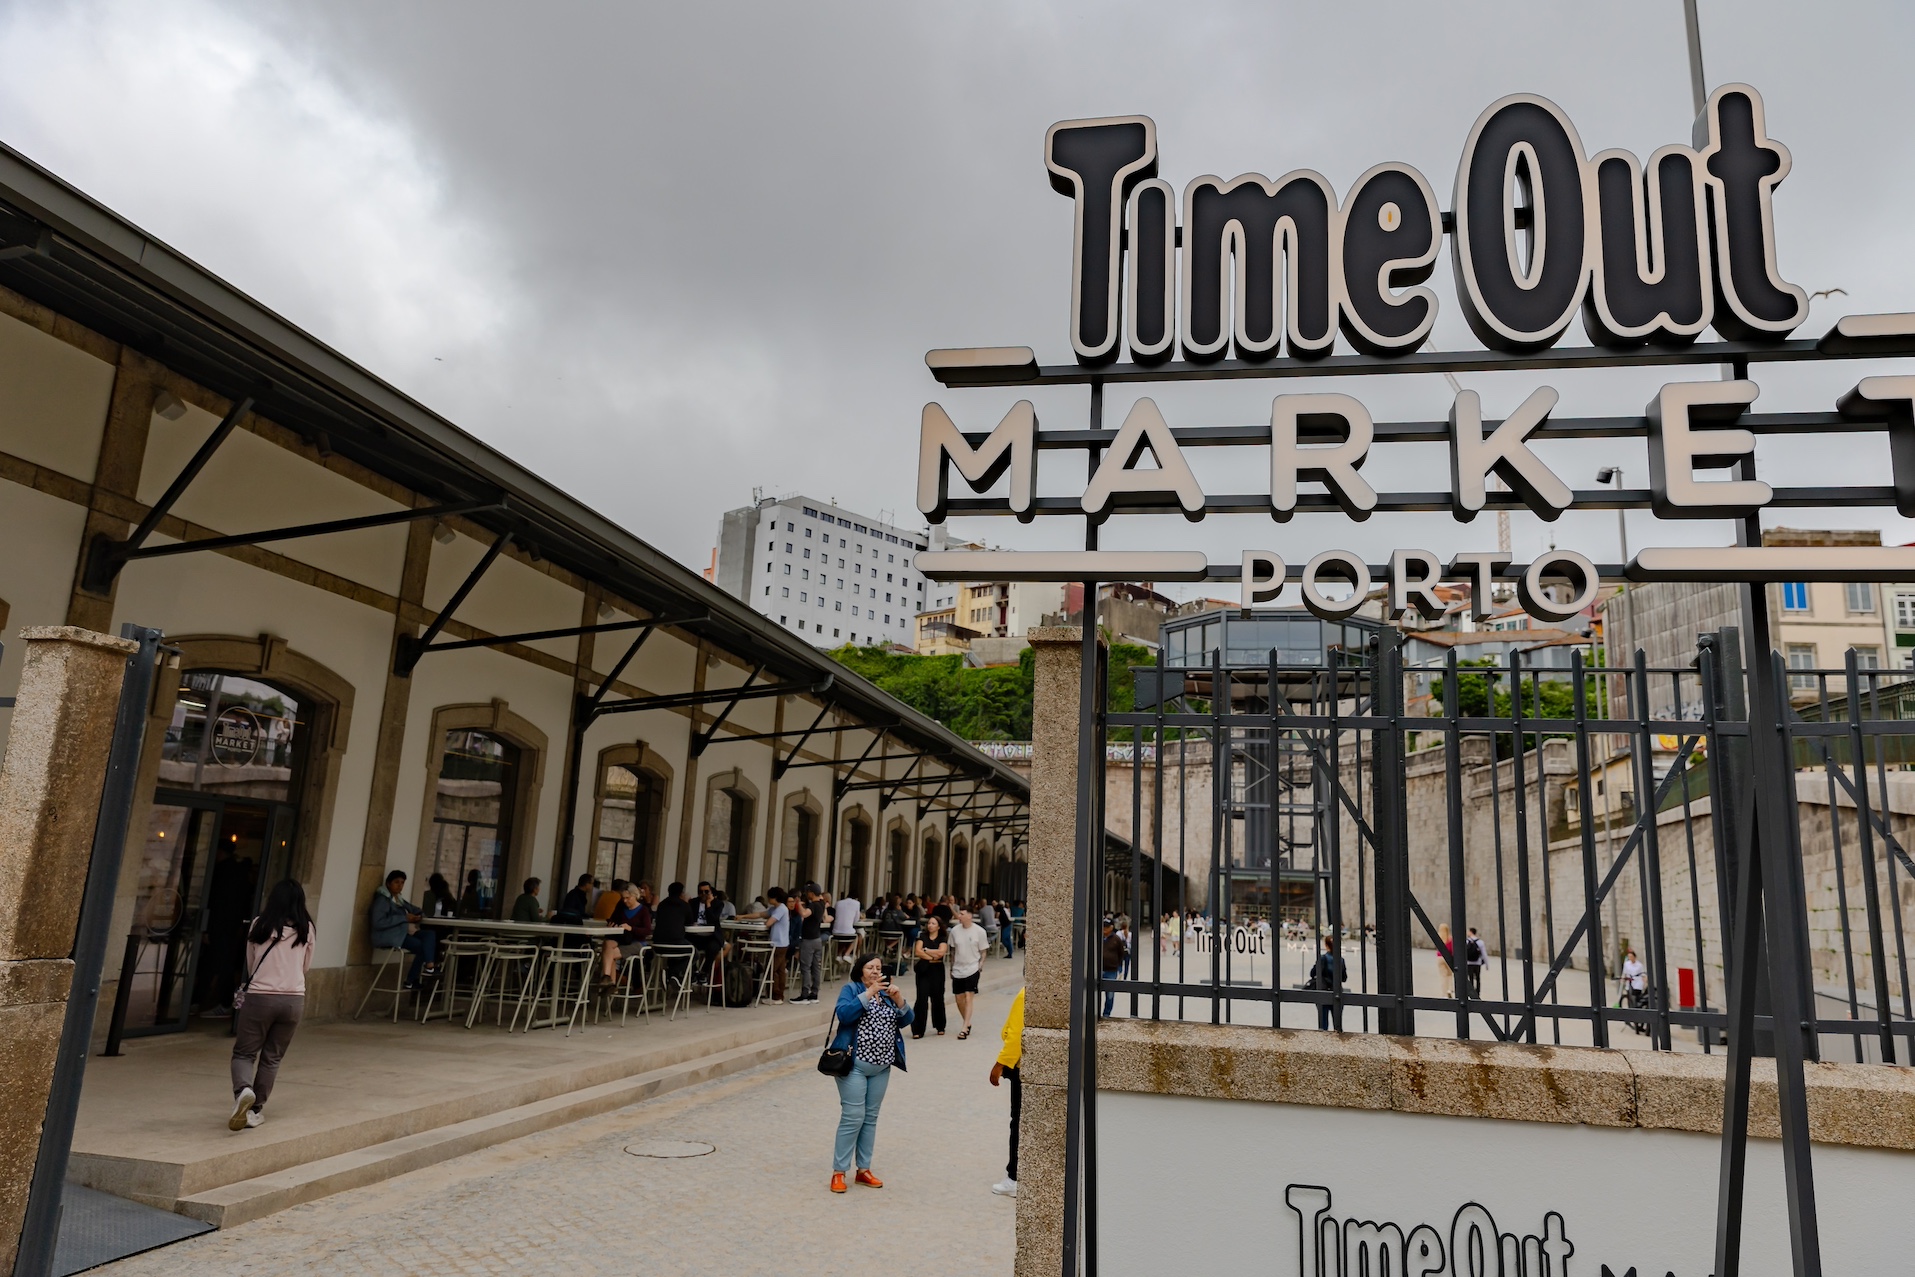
<point>279,951</point>
<point>930,951</point>
<point>871,1014</point>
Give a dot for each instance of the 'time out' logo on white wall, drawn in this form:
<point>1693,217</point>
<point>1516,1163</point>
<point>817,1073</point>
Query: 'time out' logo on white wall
<point>1329,1247</point>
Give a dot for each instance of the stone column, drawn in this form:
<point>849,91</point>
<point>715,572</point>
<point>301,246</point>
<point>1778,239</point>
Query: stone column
<point>50,786</point>
<point>1049,900</point>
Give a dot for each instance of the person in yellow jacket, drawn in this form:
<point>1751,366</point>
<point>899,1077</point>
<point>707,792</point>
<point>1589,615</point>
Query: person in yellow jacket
<point>1006,1067</point>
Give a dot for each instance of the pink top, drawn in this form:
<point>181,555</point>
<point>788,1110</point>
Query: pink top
<point>283,970</point>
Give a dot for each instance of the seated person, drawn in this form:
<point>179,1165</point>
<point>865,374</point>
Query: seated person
<point>635,916</point>
<point>577,903</point>
<point>609,900</point>
<point>389,919</point>
<point>527,907</point>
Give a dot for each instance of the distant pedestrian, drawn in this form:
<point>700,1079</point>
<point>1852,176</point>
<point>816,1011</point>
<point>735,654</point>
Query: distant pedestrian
<point>1475,958</point>
<point>1113,962</point>
<point>1328,976</point>
<point>811,941</point>
<point>1445,961</point>
<point>279,952</point>
<point>1009,930</point>
<point>969,947</point>
<point>1006,1067</point>
<point>870,1015</point>
<point>932,948</point>
<point>987,918</point>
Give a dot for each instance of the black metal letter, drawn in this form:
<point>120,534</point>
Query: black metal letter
<point>1391,231</point>
<point>1651,264</point>
<point>1096,162</point>
<point>1235,234</point>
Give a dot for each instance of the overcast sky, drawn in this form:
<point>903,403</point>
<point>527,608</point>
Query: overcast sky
<point>663,255</point>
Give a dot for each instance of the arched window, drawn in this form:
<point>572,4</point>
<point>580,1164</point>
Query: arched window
<point>728,821</point>
<point>932,851</point>
<point>473,807</point>
<point>631,819</point>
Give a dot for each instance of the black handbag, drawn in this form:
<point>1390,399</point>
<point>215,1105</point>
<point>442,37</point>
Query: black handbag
<point>836,1061</point>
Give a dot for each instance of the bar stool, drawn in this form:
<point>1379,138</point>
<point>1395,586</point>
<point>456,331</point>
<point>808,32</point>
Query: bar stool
<point>395,961</point>
<point>448,982</point>
<point>667,959</point>
<point>891,950</point>
<point>509,972</point>
<point>561,965</point>
<point>758,951</point>
<point>634,982</point>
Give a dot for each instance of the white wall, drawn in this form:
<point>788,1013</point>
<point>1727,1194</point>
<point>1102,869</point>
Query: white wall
<point>1210,1177</point>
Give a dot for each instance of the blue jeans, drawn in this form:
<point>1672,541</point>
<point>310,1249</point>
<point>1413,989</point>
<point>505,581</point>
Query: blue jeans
<point>1110,995</point>
<point>860,1096</point>
<point>424,946</point>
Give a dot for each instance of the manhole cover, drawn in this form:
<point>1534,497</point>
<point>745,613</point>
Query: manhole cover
<point>670,1148</point>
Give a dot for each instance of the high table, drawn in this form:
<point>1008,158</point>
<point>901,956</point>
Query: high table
<point>536,931</point>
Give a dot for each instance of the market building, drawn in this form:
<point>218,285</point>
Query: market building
<point>397,648</point>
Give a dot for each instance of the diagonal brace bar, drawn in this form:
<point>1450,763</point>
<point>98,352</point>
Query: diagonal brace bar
<point>106,556</point>
<point>570,631</point>
<point>307,530</point>
<point>683,700</point>
<point>782,765</point>
<point>410,649</point>
<point>702,737</point>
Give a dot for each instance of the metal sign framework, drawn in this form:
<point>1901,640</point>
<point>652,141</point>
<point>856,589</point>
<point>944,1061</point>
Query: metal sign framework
<point>1114,236</point>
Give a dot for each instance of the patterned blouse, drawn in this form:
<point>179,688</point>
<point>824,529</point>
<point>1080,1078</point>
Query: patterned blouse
<point>877,1041</point>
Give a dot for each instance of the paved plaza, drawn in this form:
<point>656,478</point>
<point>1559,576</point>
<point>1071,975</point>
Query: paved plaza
<point>571,1201</point>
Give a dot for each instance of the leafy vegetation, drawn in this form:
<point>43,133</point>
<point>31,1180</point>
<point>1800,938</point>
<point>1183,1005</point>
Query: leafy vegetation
<point>981,704</point>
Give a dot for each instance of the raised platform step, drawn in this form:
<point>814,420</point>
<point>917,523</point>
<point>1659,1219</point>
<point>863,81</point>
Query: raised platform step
<point>252,1198</point>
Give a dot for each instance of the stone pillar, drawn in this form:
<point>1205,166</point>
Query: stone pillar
<point>1049,900</point>
<point>50,786</point>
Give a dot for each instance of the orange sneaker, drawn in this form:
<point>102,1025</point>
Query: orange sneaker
<point>837,1181</point>
<point>869,1180</point>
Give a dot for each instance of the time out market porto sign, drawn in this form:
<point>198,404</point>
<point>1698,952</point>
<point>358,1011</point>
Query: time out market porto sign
<point>1253,277</point>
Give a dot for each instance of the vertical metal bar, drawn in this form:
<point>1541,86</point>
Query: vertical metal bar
<point>1592,910</point>
<point>1542,825</point>
<point>1689,838</point>
<point>1157,850</point>
<point>1496,843</point>
<point>1219,820</point>
<point>1894,893</point>
<point>1395,972</point>
<point>1523,901</point>
<point>1650,863</point>
<point>1865,833</point>
<point>40,1232</point>
<point>1453,800</point>
<point>1826,747</point>
<point>1330,812</point>
<point>1136,854</point>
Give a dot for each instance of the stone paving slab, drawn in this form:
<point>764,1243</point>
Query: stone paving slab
<point>571,1201</point>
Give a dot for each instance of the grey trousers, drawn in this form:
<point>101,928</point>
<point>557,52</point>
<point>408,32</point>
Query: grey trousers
<point>810,960</point>
<point>263,1032</point>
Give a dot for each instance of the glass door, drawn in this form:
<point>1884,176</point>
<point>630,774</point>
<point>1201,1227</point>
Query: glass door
<point>168,911</point>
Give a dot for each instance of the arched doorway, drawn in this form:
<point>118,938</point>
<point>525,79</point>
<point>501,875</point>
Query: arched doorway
<point>897,854</point>
<point>633,793</point>
<point>222,828</point>
<point>798,841</point>
<point>960,863</point>
<point>731,809</point>
<point>933,850</point>
<point>855,862</point>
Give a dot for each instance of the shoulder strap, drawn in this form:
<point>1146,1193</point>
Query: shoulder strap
<point>262,957</point>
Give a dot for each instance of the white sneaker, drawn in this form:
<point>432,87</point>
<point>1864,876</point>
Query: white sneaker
<point>254,1117</point>
<point>242,1108</point>
<point>1005,1188</point>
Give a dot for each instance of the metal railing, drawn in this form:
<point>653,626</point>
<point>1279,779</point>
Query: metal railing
<point>1552,859</point>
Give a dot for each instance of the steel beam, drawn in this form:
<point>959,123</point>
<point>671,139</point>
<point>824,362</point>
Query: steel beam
<point>682,700</point>
<point>409,649</point>
<point>569,631</point>
<point>702,737</point>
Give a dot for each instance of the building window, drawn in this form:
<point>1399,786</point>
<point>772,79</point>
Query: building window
<point>1861,596</point>
<point>841,583</point>
<point>787,569</point>
<point>786,621</point>
<point>787,547</point>
<point>767,591</point>
<point>834,634</point>
<point>787,593</point>
<point>1801,657</point>
<point>807,552</point>
<point>807,533</point>
<point>821,600</point>
<point>472,815</point>
<point>838,608</point>
<point>631,818</point>
<point>1905,611</point>
<point>801,597</point>
<point>1795,596</point>
<point>1868,658</point>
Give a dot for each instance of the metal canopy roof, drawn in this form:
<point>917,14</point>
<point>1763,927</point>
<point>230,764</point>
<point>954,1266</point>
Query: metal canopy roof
<point>66,251</point>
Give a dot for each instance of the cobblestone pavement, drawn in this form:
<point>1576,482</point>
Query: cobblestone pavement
<point>570,1201</point>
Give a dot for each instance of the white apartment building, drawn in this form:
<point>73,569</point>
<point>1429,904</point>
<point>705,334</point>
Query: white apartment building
<point>826,574</point>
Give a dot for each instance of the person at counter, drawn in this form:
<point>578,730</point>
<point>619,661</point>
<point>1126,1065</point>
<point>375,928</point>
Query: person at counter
<point>577,903</point>
<point>632,914</point>
<point>527,907</point>
<point>709,911</point>
<point>609,901</point>
<point>776,916</point>
<point>673,915</point>
<point>391,920</point>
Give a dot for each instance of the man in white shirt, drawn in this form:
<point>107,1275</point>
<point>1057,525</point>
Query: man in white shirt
<point>845,912</point>
<point>969,947</point>
<point>777,919</point>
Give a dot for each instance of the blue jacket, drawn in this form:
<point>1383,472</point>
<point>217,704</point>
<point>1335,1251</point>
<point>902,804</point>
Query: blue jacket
<point>387,920</point>
<point>851,1009</point>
